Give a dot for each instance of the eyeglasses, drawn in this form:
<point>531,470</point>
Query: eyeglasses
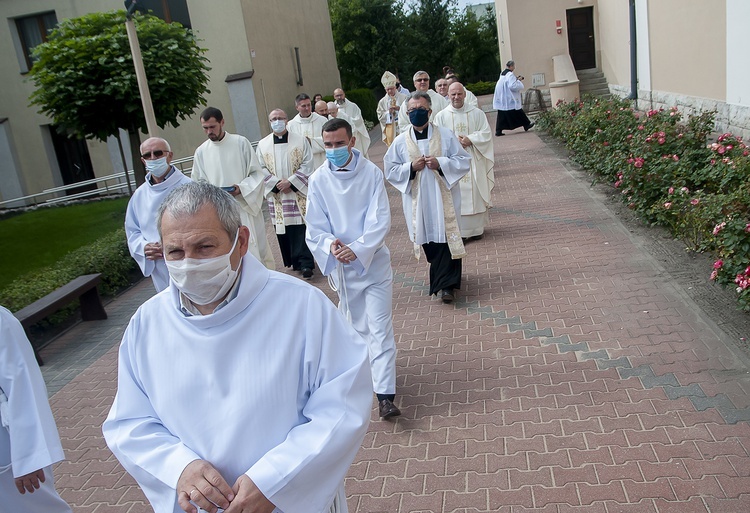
<point>422,80</point>
<point>156,153</point>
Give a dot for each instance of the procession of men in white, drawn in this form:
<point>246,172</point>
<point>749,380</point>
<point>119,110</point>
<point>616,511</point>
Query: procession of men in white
<point>241,388</point>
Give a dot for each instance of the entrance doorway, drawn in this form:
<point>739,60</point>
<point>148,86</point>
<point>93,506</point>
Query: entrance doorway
<point>581,37</point>
<point>74,161</point>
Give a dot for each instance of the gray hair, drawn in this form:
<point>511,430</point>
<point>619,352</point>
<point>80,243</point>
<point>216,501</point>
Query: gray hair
<point>419,74</point>
<point>166,143</point>
<point>188,199</point>
<point>510,63</point>
<point>416,95</point>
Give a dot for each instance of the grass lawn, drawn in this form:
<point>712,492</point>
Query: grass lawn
<point>39,238</point>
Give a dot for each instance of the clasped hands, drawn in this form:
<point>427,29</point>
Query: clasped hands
<point>342,252</point>
<point>202,484</point>
<point>284,185</point>
<point>422,162</point>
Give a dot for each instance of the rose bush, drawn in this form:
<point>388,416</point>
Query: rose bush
<point>666,171</point>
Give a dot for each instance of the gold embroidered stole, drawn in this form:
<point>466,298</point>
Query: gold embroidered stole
<point>390,128</point>
<point>452,232</point>
<point>295,156</point>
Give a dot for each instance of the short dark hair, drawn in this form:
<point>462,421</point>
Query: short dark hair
<point>211,112</point>
<point>416,95</point>
<point>336,124</point>
<point>302,96</point>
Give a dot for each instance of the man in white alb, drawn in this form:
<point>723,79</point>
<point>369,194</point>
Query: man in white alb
<point>321,109</point>
<point>355,119</point>
<point>348,217</point>
<point>475,135</point>
<point>228,161</point>
<point>286,159</point>
<point>309,124</point>
<point>140,217</point>
<point>471,98</point>
<point>388,108</point>
<point>425,163</point>
<point>29,442</point>
<point>422,83</point>
<point>238,387</point>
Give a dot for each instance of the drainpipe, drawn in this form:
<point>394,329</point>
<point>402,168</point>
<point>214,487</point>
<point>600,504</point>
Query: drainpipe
<point>633,55</point>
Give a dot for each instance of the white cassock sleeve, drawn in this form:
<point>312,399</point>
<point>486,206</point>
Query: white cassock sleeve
<point>198,172</point>
<point>136,241</point>
<point>319,233</point>
<point>252,186</point>
<point>376,226</point>
<point>396,164</point>
<point>34,441</point>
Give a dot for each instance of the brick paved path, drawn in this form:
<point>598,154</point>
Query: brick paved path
<point>570,375</point>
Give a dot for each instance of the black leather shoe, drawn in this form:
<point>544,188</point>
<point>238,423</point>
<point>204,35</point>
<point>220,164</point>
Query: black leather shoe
<point>527,128</point>
<point>387,409</point>
<point>498,134</point>
<point>307,273</point>
<point>447,296</point>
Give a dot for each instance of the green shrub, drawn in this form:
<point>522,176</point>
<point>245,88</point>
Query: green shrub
<point>480,88</point>
<point>366,101</point>
<point>108,255</point>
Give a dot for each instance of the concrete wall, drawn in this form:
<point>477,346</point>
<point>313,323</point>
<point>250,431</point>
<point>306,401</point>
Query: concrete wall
<point>614,42</point>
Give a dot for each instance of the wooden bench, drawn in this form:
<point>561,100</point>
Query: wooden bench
<point>83,287</point>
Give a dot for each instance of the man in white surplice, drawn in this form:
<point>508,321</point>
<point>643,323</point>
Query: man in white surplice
<point>140,217</point>
<point>348,217</point>
<point>422,84</point>
<point>29,442</point>
<point>425,163</point>
<point>286,159</point>
<point>238,387</point>
<point>309,124</point>
<point>475,135</point>
<point>228,161</point>
<point>355,119</point>
<point>388,108</point>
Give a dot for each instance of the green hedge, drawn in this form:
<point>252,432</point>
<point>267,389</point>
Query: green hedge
<point>108,255</point>
<point>669,175</point>
<point>481,88</point>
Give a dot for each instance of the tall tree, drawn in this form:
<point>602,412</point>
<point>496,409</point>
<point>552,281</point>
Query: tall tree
<point>475,46</point>
<point>85,79</point>
<point>368,39</point>
<point>428,44</point>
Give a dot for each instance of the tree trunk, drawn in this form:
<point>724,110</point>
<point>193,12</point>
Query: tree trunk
<point>135,151</point>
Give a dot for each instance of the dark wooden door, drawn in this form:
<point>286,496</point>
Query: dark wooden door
<point>581,37</point>
<point>74,161</point>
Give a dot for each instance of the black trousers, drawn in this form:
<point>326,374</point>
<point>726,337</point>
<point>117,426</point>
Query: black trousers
<point>445,272</point>
<point>510,120</point>
<point>294,250</point>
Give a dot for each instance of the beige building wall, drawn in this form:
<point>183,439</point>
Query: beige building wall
<point>249,42</point>
<point>614,41</point>
<point>528,34</point>
<point>688,47</point>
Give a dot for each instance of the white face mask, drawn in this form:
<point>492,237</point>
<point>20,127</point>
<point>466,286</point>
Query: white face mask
<point>157,167</point>
<point>278,126</point>
<point>204,280</point>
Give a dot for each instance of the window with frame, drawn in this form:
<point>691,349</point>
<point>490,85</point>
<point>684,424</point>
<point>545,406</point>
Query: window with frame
<point>32,31</point>
<point>169,10</point>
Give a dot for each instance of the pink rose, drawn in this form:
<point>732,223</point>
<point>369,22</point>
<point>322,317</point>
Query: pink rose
<point>747,229</point>
<point>714,275</point>
<point>718,264</point>
<point>694,201</point>
<point>676,158</point>
<point>667,205</point>
<point>671,190</point>
<point>718,228</point>
<point>661,140</point>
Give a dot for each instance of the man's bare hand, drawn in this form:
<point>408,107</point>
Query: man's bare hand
<point>153,251</point>
<point>201,483</point>
<point>431,162</point>
<point>418,165</point>
<point>30,481</point>
<point>465,141</point>
<point>284,185</point>
<point>342,253</point>
<point>236,190</point>
<point>248,498</point>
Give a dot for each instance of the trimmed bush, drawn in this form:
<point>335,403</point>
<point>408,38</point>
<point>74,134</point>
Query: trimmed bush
<point>481,88</point>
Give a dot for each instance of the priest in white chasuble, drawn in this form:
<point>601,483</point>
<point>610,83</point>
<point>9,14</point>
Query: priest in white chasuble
<point>425,163</point>
<point>29,442</point>
<point>388,108</point>
<point>422,84</point>
<point>354,118</point>
<point>308,124</point>
<point>238,387</point>
<point>228,161</point>
<point>475,135</point>
<point>287,161</point>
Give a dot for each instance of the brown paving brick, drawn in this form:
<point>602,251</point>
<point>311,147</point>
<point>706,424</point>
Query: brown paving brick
<point>692,505</point>
<point>566,494</point>
<point>706,486</point>
<point>520,497</point>
<point>598,493</point>
<point>659,489</point>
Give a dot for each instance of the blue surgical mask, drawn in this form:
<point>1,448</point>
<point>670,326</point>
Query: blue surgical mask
<point>419,117</point>
<point>157,167</point>
<point>338,156</point>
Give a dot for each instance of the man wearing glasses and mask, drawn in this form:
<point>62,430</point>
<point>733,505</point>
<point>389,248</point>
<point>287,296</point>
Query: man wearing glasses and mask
<point>422,84</point>
<point>140,217</point>
<point>426,163</point>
